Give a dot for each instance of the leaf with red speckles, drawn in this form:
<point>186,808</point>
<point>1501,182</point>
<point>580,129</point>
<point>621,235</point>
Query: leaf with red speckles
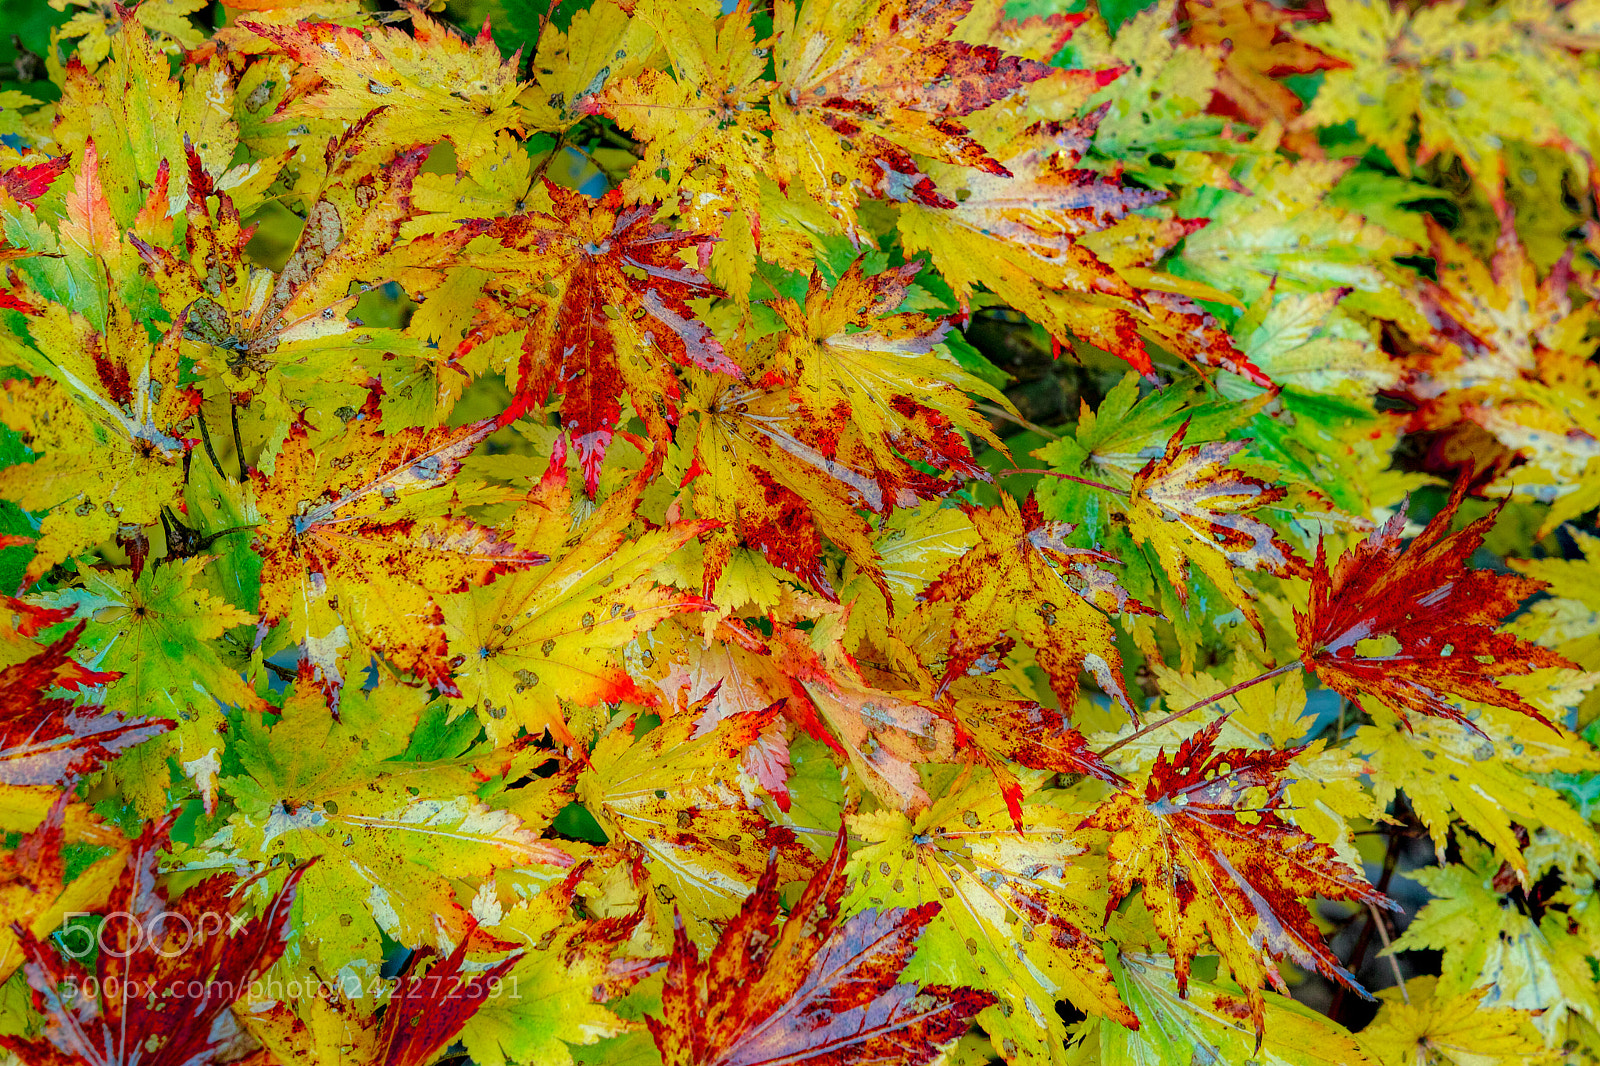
<point>817,989</point>
<point>1021,582</point>
<point>1206,838</point>
<point>52,740</point>
<point>599,293</point>
<point>535,640</point>
<point>344,518</point>
<point>160,993</point>
<point>1410,628</point>
<point>1062,243</point>
<point>851,407</point>
<point>860,91</point>
<point>1193,507</point>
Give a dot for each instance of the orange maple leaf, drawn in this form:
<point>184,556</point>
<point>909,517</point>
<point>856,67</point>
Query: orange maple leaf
<point>1205,839</point>
<point>1257,51</point>
<point>1023,581</point>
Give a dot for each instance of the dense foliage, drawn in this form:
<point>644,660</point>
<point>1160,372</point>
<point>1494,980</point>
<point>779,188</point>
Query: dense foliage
<point>826,532</point>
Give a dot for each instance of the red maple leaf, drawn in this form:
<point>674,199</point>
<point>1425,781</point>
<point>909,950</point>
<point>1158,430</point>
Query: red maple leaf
<point>167,973</point>
<point>600,293</point>
<point>52,740</point>
<point>817,989</point>
<point>1412,628</point>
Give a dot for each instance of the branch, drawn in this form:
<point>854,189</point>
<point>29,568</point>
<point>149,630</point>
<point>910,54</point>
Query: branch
<point>1065,477</point>
<point>1208,701</point>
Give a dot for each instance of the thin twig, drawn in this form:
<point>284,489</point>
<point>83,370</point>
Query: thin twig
<point>1065,477</point>
<point>1224,694</point>
<point>617,140</point>
<point>544,165</point>
<point>1001,412</point>
<point>1394,963</point>
<point>1391,857</point>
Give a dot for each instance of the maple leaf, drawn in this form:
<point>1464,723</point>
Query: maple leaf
<point>1215,860</point>
<point>1521,961</point>
<point>465,88</point>
<point>1016,905</point>
<point>26,183</point>
<point>1027,238</point>
<point>54,741</point>
<point>850,411</point>
<point>758,474</point>
<point>165,962</point>
<point>1429,1027</point>
<point>425,1014</point>
<point>95,28</point>
<point>1154,125</point>
<point>1192,507</point>
<point>1465,84</point>
<point>569,974</point>
<point>1209,1019</point>
<point>872,378</point>
<point>1287,229</point>
<point>1494,325</point>
<point>1022,581</point>
<point>819,988</point>
<point>675,796</point>
<point>602,45</point>
<point>273,340</point>
<point>1504,351</point>
<point>706,113</point>
<point>160,632</point>
<point>1258,49</point>
<point>392,834</point>
<point>1451,772</point>
<point>1110,448</point>
<point>880,736</point>
<point>593,329</point>
<point>139,89</point>
<point>154,629</point>
<point>1411,628</point>
<point>338,515</point>
<point>536,640</point>
<point>34,889</point>
<point>1324,791</point>
<point>110,450</point>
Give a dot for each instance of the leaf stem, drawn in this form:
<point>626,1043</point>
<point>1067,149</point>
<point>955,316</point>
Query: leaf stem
<point>205,438</point>
<point>238,442</point>
<point>1065,477</point>
<point>1224,694</point>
